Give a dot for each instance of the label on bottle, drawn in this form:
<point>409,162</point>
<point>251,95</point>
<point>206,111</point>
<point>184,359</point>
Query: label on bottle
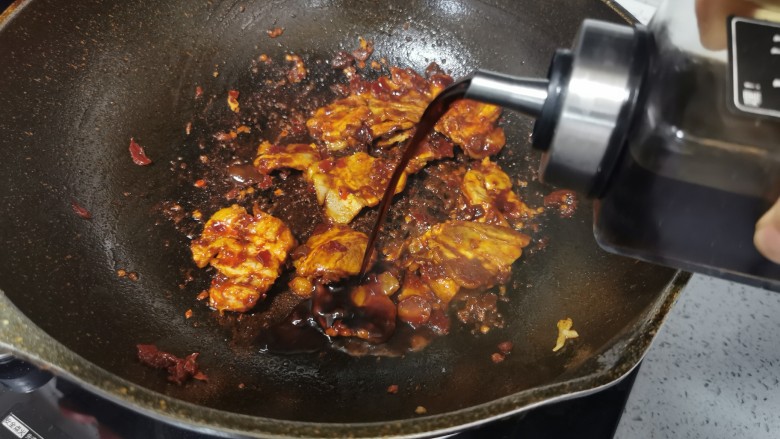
<point>754,55</point>
<point>18,428</point>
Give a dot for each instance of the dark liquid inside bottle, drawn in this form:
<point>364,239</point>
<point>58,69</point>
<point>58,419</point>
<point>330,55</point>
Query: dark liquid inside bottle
<point>704,219</point>
<point>684,225</point>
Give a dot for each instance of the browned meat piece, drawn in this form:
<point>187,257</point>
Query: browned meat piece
<point>348,184</point>
<point>473,126</point>
<point>478,309</point>
<point>487,186</point>
<point>563,200</point>
<point>365,50</point>
<point>458,254</point>
<point>418,305</point>
<point>364,311</point>
<point>397,103</point>
<point>248,252</point>
<point>295,156</point>
<point>339,125</point>
<point>389,108</point>
<point>434,147</point>
<point>330,254</point>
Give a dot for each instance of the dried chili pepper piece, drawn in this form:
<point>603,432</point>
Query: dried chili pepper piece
<point>137,154</point>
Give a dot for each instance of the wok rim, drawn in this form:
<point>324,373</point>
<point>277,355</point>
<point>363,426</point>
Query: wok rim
<point>39,348</point>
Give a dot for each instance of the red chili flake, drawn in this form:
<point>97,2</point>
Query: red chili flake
<point>392,389</point>
<point>241,385</point>
<point>233,100</point>
<point>198,91</point>
<point>80,211</point>
<point>505,347</point>
<point>137,154</point>
<point>200,183</point>
<point>188,314</point>
<point>179,369</point>
<point>121,273</point>
<point>497,357</point>
<point>265,182</point>
<point>203,295</point>
<point>133,276</point>
<point>264,257</point>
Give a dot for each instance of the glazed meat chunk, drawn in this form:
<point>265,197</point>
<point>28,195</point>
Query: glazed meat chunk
<point>330,254</point>
<point>364,311</point>
<point>294,156</point>
<point>463,254</point>
<point>385,110</point>
<point>348,184</point>
<point>339,125</point>
<point>473,126</point>
<point>486,185</point>
<point>434,147</point>
<point>397,103</point>
<point>247,251</point>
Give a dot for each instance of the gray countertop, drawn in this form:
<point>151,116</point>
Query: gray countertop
<point>713,371</point>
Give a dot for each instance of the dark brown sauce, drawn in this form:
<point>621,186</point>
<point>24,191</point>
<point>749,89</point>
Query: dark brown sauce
<point>333,314</point>
<point>435,110</point>
<point>245,173</point>
<point>299,332</point>
<point>302,330</point>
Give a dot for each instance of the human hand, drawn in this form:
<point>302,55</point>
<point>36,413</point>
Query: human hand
<point>712,16</point>
<point>767,236</point>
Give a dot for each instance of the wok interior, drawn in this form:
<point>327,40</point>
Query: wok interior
<point>81,79</point>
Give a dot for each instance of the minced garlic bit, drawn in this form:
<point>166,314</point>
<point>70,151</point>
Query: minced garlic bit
<point>420,410</point>
<point>564,333</point>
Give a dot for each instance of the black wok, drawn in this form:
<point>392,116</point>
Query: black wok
<point>80,78</point>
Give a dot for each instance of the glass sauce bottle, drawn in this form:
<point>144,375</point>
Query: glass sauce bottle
<point>678,144</point>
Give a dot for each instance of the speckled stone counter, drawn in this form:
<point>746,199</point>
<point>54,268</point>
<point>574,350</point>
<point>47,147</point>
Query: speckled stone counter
<point>713,370</point>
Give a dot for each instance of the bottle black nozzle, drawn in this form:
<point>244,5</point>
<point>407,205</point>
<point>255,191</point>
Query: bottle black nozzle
<point>526,95</point>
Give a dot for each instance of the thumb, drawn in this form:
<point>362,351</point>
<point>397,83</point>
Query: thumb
<point>767,236</point>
